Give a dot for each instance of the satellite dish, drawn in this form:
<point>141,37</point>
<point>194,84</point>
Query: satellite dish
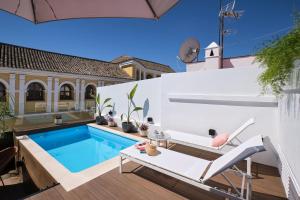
<point>189,50</point>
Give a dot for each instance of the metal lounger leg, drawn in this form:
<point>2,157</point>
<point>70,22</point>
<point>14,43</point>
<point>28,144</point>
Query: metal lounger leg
<point>249,180</point>
<point>231,184</point>
<point>243,185</point>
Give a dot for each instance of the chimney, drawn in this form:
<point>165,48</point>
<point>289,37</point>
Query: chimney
<point>212,56</point>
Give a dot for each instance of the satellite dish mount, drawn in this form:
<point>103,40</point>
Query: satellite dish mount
<point>189,50</point>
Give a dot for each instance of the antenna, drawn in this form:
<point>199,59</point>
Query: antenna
<point>226,11</point>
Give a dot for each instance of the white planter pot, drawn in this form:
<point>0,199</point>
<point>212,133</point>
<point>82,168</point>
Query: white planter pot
<point>112,124</point>
<point>143,133</point>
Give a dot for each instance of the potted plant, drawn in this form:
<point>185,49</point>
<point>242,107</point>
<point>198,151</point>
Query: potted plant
<point>100,120</point>
<point>143,130</point>
<point>58,119</point>
<point>127,125</point>
<point>111,122</point>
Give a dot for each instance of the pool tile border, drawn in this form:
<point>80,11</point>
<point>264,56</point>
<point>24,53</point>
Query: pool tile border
<point>60,174</point>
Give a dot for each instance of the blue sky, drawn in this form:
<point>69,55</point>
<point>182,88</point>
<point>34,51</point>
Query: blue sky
<point>160,40</point>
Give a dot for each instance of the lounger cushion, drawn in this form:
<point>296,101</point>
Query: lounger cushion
<point>175,162</point>
<point>189,139</point>
<point>203,142</point>
<point>219,140</point>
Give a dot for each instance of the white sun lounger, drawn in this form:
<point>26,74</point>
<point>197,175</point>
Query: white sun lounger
<point>197,171</point>
<point>202,142</point>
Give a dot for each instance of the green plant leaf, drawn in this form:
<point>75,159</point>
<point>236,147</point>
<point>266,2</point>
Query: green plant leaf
<point>137,109</point>
<point>278,56</point>
<point>137,124</point>
<point>132,92</point>
<point>98,99</point>
<point>122,116</point>
<point>106,100</point>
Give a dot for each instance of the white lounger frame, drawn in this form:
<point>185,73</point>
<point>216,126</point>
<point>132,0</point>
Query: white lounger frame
<point>224,163</point>
<point>219,150</point>
<point>232,136</point>
<point>246,178</point>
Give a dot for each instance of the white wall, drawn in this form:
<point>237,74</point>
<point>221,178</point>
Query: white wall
<point>194,102</point>
<point>193,67</point>
<point>148,96</point>
<point>289,136</point>
<point>247,61</point>
<point>222,100</point>
<point>197,101</point>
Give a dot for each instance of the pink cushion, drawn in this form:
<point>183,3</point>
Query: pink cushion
<point>219,140</point>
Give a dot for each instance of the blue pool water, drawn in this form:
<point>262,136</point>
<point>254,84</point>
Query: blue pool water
<point>81,147</point>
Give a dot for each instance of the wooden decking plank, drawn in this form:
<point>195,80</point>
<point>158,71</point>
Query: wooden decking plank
<point>126,190</point>
<point>100,189</point>
<point>52,194</point>
<point>156,177</point>
<point>192,192</point>
<point>144,187</point>
<point>66,195</point>
<point>48,194</point>
<point>144,183</point>
<point>82,192</point>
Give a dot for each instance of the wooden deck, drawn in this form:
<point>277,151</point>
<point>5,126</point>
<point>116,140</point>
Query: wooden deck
<point>143,183</point>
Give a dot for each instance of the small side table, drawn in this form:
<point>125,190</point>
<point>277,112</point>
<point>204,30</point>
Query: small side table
<point>159,138</point>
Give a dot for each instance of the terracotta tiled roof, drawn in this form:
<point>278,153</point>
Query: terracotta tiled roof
<point>26,58</point>
<point>146,63</point>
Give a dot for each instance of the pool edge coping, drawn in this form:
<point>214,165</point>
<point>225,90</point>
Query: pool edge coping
<point>61,174</point>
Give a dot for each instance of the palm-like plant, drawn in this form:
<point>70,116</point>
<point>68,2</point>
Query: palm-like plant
<point>131,108</point>
<point>101,106</point>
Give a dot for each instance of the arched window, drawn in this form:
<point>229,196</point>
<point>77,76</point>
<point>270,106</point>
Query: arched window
<point>2,92</point>
<point>66,92</point>
<point>35,92</point>
<point>90,92</point>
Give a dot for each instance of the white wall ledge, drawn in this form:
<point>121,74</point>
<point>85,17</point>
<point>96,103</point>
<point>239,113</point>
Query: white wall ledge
<point>292,91</point>
<point>219,99</point>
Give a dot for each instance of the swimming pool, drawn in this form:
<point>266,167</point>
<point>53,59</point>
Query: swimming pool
<point>81,147</point>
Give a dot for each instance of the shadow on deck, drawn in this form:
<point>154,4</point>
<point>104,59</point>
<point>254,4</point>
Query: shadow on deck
<point>143,183</point>
<point>17,187</point>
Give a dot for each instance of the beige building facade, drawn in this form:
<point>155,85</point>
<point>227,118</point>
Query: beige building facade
<point>140,69</point>
<point>17,89</point>
<point>35,81</point>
